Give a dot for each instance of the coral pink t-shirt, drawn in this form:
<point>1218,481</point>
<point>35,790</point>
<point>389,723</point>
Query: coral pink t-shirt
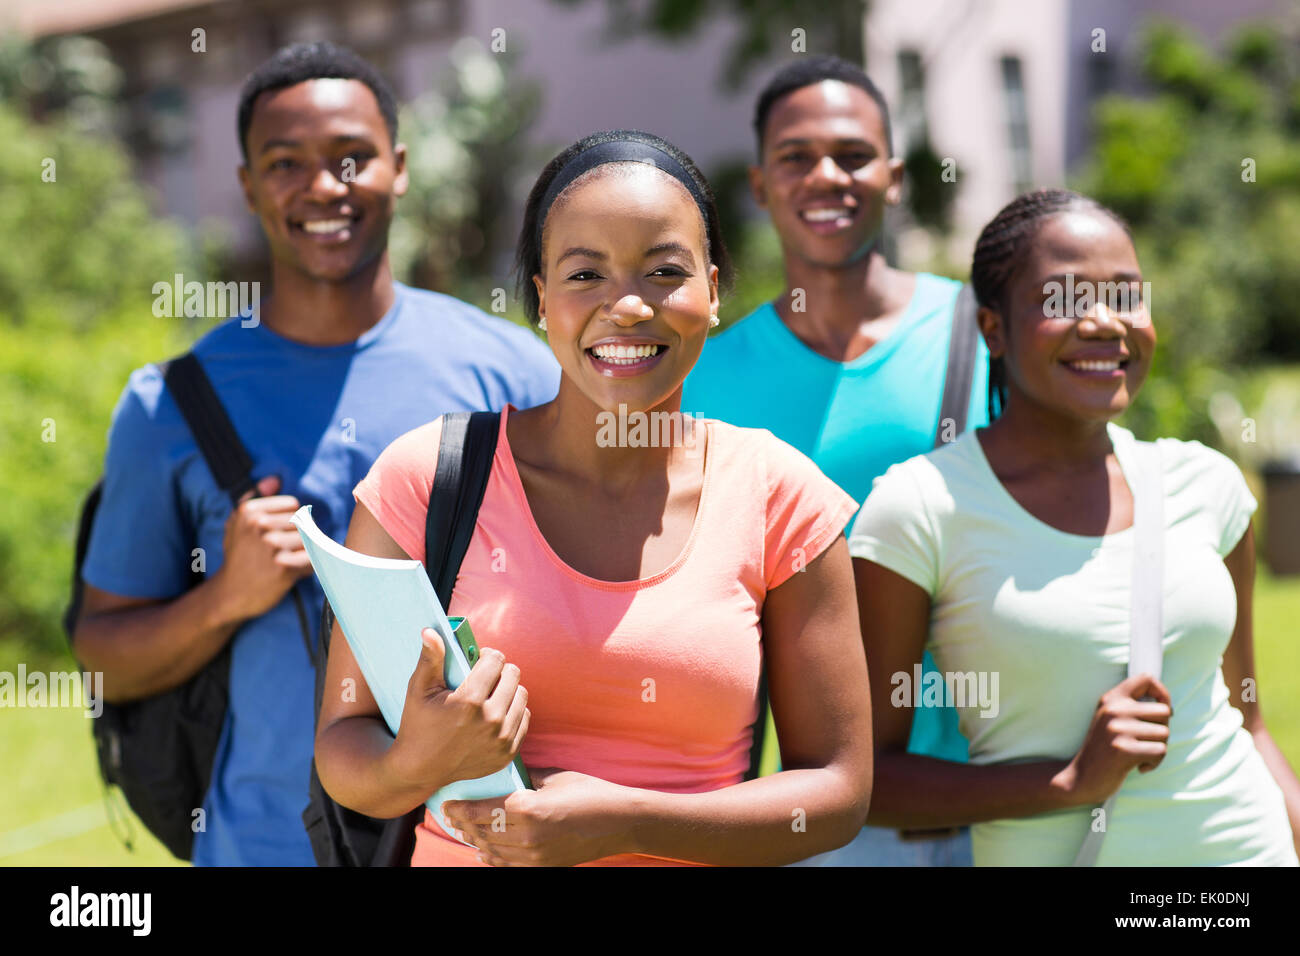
<point>650,683</point>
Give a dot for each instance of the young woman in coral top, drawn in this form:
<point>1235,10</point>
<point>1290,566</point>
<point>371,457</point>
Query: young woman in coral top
<point>627,591</point>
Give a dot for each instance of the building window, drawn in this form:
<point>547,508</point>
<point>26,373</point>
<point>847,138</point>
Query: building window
<point>1013,94</point>
<point>1101,76</point>
<point>911,102</point>
<point>166,119</point>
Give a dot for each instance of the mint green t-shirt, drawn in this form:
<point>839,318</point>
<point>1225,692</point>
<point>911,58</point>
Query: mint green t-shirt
<point>854,419</point>
<point>1048,613</point>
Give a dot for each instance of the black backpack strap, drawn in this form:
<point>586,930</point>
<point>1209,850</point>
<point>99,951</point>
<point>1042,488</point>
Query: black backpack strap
<point>961,366</point>
<point>227,458</point>
<point>85,523</point>
<point>211,427</point>
<point>465,452</point>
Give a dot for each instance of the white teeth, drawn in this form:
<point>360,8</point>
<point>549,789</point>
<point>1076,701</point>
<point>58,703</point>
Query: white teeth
<point>1096,366</point>
<point>824,215</point>
<point>323,226</point>
<point>624,354</point>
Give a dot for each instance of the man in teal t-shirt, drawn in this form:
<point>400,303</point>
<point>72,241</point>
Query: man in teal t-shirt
<point>848,363</point>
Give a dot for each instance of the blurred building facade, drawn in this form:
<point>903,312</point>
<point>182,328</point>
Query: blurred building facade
<point>1005,87</point>
<point>1001,87</point>
<point>182,103</point>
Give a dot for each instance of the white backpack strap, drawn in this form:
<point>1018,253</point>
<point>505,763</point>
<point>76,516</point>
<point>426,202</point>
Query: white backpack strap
<point>1146,613</point>
<point>1146,640</point>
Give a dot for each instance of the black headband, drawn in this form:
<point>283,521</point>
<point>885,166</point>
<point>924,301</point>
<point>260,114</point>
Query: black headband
<point>618,151</point>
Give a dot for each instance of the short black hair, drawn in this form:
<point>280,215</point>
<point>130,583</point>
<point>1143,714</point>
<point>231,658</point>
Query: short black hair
<point>301,62</point>
<point>528,251</point>
<point>1001,249</point>
<point>806,71</point>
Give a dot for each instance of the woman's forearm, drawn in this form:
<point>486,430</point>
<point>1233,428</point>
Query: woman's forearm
<point>918,792</point>
<point>774,820</point>
<point>356,765</point>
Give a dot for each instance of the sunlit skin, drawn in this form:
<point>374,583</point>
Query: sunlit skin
<point>624,261</point>
<point>1051,451</point>
<point>825,148</point>
<point>624,258</point>
<point>320,151</point>
<point>1050,446</point>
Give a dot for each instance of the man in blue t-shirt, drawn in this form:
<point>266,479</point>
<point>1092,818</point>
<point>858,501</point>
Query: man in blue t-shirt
<point>317,381</point>
<point>848,363</point>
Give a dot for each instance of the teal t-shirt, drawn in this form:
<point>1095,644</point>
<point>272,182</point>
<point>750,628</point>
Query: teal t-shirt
<point>854,419</point>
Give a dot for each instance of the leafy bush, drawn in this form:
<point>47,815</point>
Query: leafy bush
<point>468,173</point>
<point>78,259</point>
<point>1206,168</point>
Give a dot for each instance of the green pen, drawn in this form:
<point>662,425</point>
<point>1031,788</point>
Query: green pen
<point>460,630</point>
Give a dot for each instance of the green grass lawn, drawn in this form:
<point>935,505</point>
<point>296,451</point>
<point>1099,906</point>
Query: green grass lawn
<point>53,782</point>
<point>52,791</point>
<point>1277,658</point>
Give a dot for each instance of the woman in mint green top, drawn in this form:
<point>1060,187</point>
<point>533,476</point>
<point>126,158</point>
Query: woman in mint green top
<point>1008,555</point>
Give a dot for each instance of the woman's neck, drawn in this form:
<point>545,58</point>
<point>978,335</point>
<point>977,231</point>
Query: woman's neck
<point>617,450</point>
<point>1028,436</point>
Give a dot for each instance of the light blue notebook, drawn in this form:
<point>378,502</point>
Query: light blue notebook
<point>382,604</point>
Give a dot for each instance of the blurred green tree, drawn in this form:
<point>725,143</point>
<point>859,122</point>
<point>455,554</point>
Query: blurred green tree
<point>929,192</point>
<point>1206,168</point>
<point>468,173</point>
<point>68,76</point>
<point>79,253</point>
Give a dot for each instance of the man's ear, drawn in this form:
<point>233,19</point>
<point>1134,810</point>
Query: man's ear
<point>757,186</point>
<point>246,186</point>
<point>403,179</point>
<point>894,192</point>
<point>993,330</point>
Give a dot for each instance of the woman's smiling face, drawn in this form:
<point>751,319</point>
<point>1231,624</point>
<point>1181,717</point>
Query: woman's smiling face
<point>627,289</point>
<point>1088,367</point>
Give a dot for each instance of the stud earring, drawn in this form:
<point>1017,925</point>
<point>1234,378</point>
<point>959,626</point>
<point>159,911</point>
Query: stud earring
<point>713,321</point>
<point>541,323</point>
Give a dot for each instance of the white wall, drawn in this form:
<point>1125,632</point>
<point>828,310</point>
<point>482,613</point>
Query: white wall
<point>961,43</point>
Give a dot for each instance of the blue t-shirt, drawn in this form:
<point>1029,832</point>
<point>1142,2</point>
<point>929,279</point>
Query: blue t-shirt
<point>316,416</point>
<point>854,419</point>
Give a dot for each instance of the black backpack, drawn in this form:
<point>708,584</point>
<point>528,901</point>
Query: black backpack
<point>160,750</point>
<point>343,837</point>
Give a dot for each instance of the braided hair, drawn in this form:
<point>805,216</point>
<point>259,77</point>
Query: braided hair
<point>1000,250</point>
